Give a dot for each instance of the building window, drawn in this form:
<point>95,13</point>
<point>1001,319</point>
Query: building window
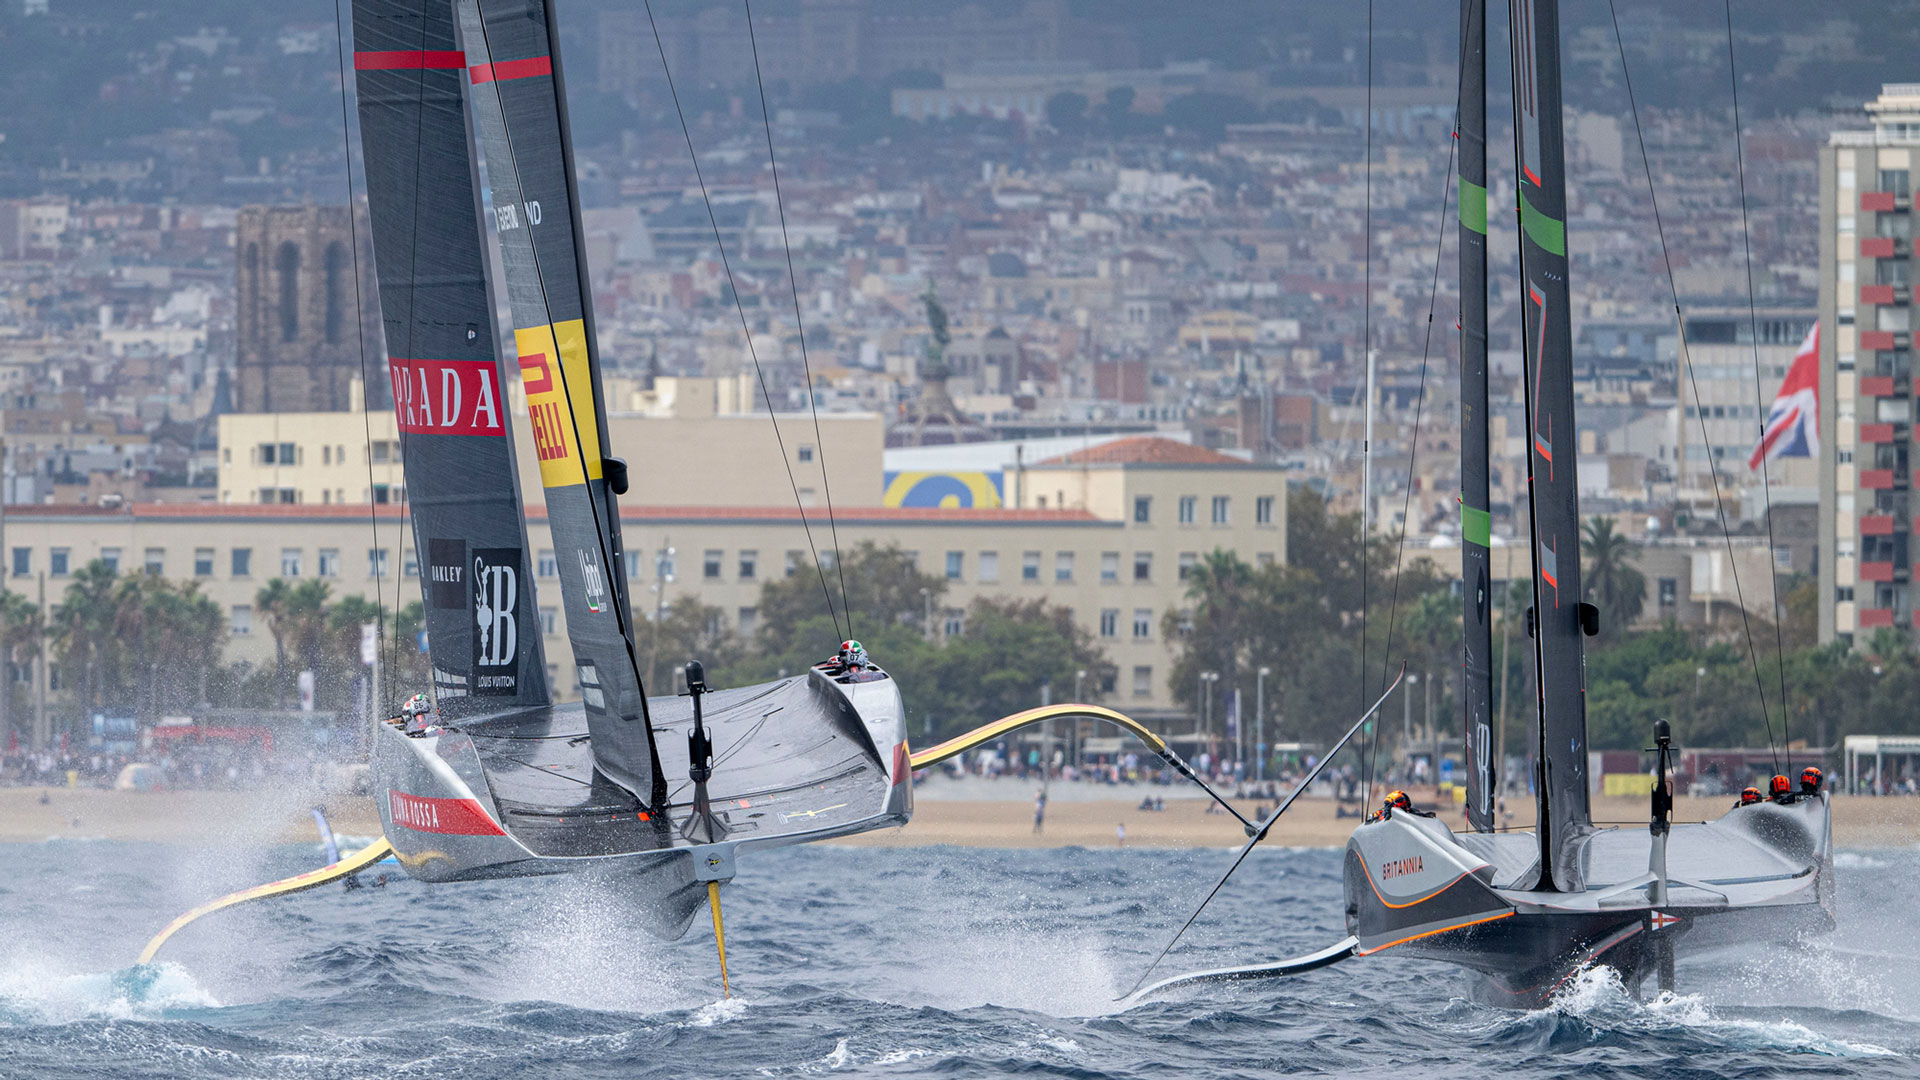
<point>804,453</point>
<point>242,620</point>
<point>549,620</point>
<point>1783,559</point>
<point>376,562</point>
<point>1669,591</point>
<point>1220,504</point>
<point>956,565</point>
<point>1142,623</point>
<point>379,451</point>
<point>111,556</point>
<point>329,562</point>
<point>1109,622</point>
<point>1142,509</point>
<point>989,566</point>
<point>1142,680</point>
<point>546,565</point>
<point>1063,566</point>
<point>409,563</point>
<point>289,562</point>
<point>954,626</point>
<point>155,561</point>
<point>710,564</point>
<point>202,562</point>
<point>748,619</point>
<point>1029,566</point>
<point>1843,594</point>
<point>326,455</point>
<point>57,562</point>
<point>1188,506</point>
<point>1263,510</point>
<point>242,562</point>
<point>749,565</point>
<point>1187,560</point>
<point>22,561</point>
<point>1143,566</point>
<point>1895,181</point>
<point>795,560</point>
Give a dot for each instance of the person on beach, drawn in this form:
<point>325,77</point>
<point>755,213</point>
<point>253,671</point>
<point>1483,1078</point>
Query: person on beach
<point>1039,810</point>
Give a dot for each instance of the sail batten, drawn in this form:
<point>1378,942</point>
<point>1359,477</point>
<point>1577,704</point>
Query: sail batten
<point>1482,758</point>
<point>442,361</point>
<point>1565,817</point>
<point>513,74</point>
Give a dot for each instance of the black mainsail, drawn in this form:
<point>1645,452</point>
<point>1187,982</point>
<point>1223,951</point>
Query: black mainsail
<point>1553,490</point>
<point>1482,757</point>
<point>468,527</point>
<point>520,124</point>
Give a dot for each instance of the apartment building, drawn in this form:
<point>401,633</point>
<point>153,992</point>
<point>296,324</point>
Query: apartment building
<point>1866,402</point>
<point>1139,513</point>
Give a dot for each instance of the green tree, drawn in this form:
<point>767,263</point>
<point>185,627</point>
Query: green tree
<point>272,602</point>
<point>1067,113</point>
<point>1613,583</point>
<point>884,587</point>
<point>20,635</point>
<point>691,630</point>
<point>81,631</point>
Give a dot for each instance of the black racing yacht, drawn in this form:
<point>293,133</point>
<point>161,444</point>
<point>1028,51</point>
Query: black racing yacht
<point>1527,910</point>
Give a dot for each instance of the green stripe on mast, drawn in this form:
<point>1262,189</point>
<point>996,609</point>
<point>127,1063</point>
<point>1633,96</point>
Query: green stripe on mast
<point>1473,206</point>
<point>1548,232</point>
<point>1476,526</point>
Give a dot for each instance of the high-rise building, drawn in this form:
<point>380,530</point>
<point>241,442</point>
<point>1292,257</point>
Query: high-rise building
<point>296,324</point>
<point>1866,400</point>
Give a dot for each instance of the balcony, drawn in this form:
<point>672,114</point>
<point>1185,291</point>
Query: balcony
<point>1880,294</point>
<point>1878,201</point>
<point>1877,433</point>
<point>1876,524</point>
<point>1874,618</point>
<point>1876,479</point>
<point>1879,247</point>
<point>1882,386</point>
<point>1876,571</point>
<point>1876,339</point>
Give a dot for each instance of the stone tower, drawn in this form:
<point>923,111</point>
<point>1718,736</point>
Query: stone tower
<point>295,322</point>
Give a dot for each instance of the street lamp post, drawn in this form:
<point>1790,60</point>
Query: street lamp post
<point>926,621</point>
<point>1260,724</point>
<point>1406,717</point>
<point>1207,679</point>
<point>1073,732</point>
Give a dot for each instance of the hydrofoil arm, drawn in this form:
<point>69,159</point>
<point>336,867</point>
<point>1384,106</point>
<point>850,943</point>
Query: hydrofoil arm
<point>988,732</point>
<point>1299,965</point>
<point>353,863</point>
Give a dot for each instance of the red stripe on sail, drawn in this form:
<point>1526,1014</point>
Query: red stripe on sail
<point>511,69</point>
<point>409,60</point>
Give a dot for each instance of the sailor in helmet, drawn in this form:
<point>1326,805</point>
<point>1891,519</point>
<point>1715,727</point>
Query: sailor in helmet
<point>1810,779</point>
<point>1748,797</point>
<point>852,664</point>
<point>1781,791</point>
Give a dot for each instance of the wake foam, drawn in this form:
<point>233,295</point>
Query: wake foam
<point>34,994</point>
<point>1598,1000</point>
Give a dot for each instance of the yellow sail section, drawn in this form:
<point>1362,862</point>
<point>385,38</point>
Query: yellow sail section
<point>359,860</point>
<point>988,732</point>
<point>559,382</point>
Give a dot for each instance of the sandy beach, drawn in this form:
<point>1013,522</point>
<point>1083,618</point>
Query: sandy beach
<point>1077,815</point>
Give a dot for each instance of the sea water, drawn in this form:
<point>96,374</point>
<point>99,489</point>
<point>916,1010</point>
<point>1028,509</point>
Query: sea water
<point>872,962</point>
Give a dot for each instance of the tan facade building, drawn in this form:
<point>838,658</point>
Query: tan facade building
<point>1116,555</point>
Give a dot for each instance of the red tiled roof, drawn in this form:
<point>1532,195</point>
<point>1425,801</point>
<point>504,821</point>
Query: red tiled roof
<point>1144,450</point>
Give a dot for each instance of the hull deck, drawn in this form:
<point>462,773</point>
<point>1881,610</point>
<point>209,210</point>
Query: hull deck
<point>1759,874</point>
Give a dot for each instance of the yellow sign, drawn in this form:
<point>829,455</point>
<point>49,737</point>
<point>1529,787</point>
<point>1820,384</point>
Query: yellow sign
<point>1627,783</point>
<point>559,385</point>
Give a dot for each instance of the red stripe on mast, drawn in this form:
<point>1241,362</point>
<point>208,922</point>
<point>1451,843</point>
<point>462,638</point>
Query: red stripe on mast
<point>512,69</point>
<point>409,60</point>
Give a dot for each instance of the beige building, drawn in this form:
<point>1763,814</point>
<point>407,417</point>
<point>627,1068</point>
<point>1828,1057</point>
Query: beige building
<point>690,442</point>
<point>1138,513</point>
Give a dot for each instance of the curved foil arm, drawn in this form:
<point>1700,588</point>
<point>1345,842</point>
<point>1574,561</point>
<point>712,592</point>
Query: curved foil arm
<point>357,861</point>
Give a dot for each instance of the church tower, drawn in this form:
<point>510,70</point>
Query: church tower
<point>295,322</point>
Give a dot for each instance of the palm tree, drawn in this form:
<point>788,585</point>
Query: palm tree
<point>81,629</point>
<point>20,627</point>
<point>1612,582</point>
<point>272,603</point>
<point>307,617</point>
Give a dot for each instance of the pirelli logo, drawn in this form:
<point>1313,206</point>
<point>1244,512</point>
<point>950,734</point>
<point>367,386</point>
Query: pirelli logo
<point>559,385</point>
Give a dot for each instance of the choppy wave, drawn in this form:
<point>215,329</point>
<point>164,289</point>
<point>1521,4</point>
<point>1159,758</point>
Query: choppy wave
<point>896,962</point>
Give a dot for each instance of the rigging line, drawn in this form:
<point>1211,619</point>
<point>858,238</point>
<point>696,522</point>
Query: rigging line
<point>1420,399</point>
<point>603,533</point>
<point>360,326</point>
<point>738,306</point>
<point>1366,444</point>
<point>1686,358</point>
<point>1760,407</point>
<point>806,366</point>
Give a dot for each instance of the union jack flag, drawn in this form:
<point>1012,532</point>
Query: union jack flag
<point>1793,424</point>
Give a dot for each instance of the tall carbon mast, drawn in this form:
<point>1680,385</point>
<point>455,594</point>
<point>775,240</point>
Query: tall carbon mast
<point>469,531</point>
<point>1482,757</point>
<point>520,125</point>
<point>1553,512</point>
